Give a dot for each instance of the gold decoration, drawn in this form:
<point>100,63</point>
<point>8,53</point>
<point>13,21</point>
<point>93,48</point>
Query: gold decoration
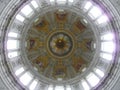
<point>58,45</point>
<point>85,45</point>
<point>59,70</point>
<point>34,44</point>
<point>42,25</point>
<point>41,62</point>
<point>78,63</point>
<point>78,26</point>
<point>61,16</point>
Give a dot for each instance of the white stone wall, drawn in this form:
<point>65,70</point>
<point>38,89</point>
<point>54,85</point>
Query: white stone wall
<point>2,85</point>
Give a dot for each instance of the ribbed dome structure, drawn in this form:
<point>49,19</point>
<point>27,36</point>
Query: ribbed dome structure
<point>59,45</point>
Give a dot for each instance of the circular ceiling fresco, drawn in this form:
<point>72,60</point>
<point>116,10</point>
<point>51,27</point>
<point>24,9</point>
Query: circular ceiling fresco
<point>61,45</point>
<point>49,43</point>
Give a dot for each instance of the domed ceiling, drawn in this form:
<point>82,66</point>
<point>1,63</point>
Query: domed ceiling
<point>61,45</point>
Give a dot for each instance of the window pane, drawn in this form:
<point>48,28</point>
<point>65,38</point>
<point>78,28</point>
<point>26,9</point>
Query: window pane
<point>95,12</point>
<point>19,71</point>
<point>52,0</point>
<point>26,78</point>
<point>26,10</point>
<point>59,88</point>
<point>68,88</point>
<point>12,54</point>
<point>88,5</point>
<point>61,1</point>
<point>106,56</point>
<point>33,85</point>
<point>12,44</point>
<point>99,72</point>
<point>12,34</point>
<point>85,85</point>
<point>20,18</point>
<point>59,79</point>
<point>70,1</point>
<point>50,88</point>
<point>85,21</point>
<point>83,69</point>
<point>94,45</point>
<point>102,19</point>
<point>92,79</point>
<point>108,36</point>
<point>108,47</point>
<point>35,5</point>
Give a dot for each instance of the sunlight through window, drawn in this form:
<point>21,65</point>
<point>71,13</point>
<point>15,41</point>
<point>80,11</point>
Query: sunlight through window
<point>50,88</point>
<point>26,10</point>
<point>71,1</point>
<point>108,36</point>
<point>52,0</point>
<point>25,78</point>
<point>12,54</point>
<point>19,71</point>
<point>108,47</point>
<point>68,88</point>
<point>95,12</point>
<point>85,21</point>
<point>12,34</point>
<point>99,72</point>
<point>61,1</point>
<point>94,45</point>
<point>33,85</point>
<point>35,5</point>
<point>12,44</point>
<point>85,85</point>
<point>92,79</point>
<point>102,19</point>
<point>59,88</point>
<point>20,18</point>
<point>88,5</point>
<point>106,56</point>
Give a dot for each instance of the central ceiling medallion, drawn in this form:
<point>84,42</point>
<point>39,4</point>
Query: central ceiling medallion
<point>60,44</point>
